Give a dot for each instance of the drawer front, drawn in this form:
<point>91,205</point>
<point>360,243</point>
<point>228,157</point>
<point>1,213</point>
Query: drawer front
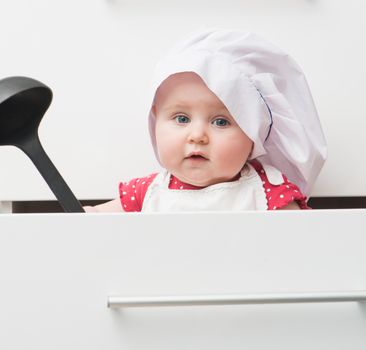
<point>57,272</point>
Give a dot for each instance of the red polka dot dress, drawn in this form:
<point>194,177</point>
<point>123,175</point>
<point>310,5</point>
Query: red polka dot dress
<point>132,193</point>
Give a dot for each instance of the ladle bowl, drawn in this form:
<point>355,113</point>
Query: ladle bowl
<point>23,103</point>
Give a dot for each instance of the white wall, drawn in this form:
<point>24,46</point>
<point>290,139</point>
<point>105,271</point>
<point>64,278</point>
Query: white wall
<point>97,56</point>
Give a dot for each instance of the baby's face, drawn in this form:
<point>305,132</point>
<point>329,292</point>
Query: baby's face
<point>197,139</point>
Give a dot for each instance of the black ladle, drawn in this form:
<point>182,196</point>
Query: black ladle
<point>23,102</point>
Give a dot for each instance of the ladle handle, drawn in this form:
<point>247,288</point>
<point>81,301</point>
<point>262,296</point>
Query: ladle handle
<point>32,147</point>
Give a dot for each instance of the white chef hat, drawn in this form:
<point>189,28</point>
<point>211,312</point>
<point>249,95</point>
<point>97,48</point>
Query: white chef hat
<point>264,90</point>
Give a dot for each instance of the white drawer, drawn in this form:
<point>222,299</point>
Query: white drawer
<point>57,272</point>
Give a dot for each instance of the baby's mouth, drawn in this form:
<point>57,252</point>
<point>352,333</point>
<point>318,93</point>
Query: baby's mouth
<point>196,156</point>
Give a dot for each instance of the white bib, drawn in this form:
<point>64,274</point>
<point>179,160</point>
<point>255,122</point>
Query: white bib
<point>247,193</point>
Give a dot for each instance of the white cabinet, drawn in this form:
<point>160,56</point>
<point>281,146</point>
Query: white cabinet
<point>98,55</point>
<point>57,271</point>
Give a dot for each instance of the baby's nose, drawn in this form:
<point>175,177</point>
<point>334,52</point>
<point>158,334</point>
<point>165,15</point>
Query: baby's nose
<point>198,134</point>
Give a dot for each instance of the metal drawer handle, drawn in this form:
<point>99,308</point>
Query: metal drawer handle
<point>195,300</point>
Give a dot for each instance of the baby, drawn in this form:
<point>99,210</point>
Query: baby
<point>234,126</point>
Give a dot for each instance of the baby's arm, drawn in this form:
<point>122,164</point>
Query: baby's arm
<point>113,206</point>
<point>290,206</point>
<point>132,193</point>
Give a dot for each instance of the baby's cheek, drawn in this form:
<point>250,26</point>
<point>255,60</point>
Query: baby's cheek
<point>168,150</point>
<point>164,133</point>
<point>232,155</point>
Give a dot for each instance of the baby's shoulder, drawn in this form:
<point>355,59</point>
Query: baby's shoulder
<point>140,181</point>
<point>281,192</point>
<point>132,193</point>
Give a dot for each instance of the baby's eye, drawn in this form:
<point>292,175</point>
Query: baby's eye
<point>221,122</point>
<point>181,119</point>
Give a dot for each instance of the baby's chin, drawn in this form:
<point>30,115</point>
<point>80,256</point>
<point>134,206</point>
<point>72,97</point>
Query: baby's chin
<point>202,181</point>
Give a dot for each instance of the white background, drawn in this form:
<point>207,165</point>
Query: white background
<point>97,56</point>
